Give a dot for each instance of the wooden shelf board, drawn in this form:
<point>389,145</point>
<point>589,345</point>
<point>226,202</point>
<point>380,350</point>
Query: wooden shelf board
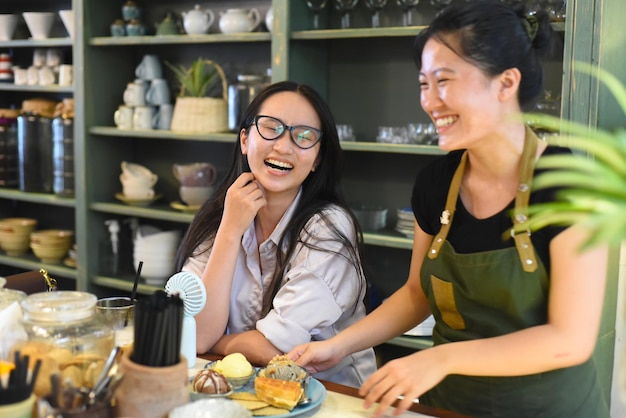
<point>413,342</point>
<point>30,262</point>
<point>163,134</point>
<point>180,39</point>
<point>159,211</point>
<point>124,284</point>
<point>388,240</point>
<point>39,89</point>
<point>392,148</point>
<point>48,199</point>
<point>36,43</point>
<point>356,33</point>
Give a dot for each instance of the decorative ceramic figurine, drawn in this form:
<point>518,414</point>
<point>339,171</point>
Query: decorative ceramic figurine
<point>239,20</point>
<point>118,28</point>
<point>131,11</point>
<point>197,21</point>
<point>135,28</point>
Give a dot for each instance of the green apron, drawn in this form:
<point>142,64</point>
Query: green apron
<point>492,293</point>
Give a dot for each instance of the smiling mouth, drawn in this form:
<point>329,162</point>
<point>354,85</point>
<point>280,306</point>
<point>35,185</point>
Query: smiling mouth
<point>278,165</point>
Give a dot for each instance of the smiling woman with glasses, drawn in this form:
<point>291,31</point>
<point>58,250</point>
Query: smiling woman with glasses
<point>277,248</point>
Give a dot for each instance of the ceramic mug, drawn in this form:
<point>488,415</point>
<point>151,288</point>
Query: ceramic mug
<point>142,117</point>
<point>158,93</point>
<point>136,171</point>
<point>137,192</point>
<point>149,68</point>
<point>32,76</point>
<point>66,75</point>
<point>123,117</point>
<point>135,94</point>
<point>39,57</point>
<point>54,57</point>
<point>46,76</point>
<point>163,117</point>
<point>20,76</point>
<point>141,182</point>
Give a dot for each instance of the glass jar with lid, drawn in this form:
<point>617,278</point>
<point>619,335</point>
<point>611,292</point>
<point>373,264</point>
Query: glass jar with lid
<point>11,330</point>
<point>67,335</point>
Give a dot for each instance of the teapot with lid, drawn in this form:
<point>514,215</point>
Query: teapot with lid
<point>239,20</point>
<point>197,21</point>
<point>167,26</point>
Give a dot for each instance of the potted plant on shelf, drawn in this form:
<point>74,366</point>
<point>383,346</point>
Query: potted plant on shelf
<point>197,110</point>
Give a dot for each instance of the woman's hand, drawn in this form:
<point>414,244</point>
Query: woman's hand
<point>244,198</point>
<point>408,376</point>
<point>317,356</point>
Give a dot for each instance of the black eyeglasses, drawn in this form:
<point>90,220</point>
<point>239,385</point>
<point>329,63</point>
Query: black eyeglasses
<point>271,128</point>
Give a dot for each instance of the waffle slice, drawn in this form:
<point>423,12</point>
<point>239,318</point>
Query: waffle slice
<point>280,393</point>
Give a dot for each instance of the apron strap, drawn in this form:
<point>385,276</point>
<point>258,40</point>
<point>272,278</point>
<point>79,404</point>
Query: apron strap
<point>448,213</point>
<point>520,213</point>
<point>523,244</point>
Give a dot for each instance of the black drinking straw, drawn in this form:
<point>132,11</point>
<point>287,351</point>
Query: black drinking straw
<point>133,294</point>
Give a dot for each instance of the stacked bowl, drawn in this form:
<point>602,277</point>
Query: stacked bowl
<point>157,250</point>
<point>39,23</point>
<point>15,235</point>
<point>51,245</point>
<point>8,23</point>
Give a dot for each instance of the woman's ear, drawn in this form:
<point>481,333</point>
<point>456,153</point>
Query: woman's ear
<point>509,84</point>
<point>243,141</point>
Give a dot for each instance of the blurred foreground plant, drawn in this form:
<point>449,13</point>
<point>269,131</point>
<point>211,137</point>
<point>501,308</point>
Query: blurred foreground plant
<point>593,182</point>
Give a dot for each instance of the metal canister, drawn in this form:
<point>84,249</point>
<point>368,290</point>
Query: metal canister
<point>63,156</point>
<point>8,148</point>
<point>241,94</point>
<point>34,143</point>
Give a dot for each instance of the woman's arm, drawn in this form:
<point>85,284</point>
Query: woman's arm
<point>243,200</point>
<point>568,338</point>
<point>252,344</point>
<point>403,310</point>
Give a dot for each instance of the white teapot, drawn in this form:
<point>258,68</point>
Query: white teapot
<point>239,20</point>
<point>197,21</point>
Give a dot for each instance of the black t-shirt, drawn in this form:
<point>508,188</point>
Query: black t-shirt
<point>468,234</point>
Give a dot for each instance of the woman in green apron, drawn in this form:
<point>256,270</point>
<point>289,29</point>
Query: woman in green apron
<point>517,315</point>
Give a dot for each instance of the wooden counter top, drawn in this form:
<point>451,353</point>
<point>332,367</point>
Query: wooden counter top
<point>344,401</point>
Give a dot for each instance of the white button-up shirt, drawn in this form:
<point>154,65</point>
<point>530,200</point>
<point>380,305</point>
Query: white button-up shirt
<point>321,293</point>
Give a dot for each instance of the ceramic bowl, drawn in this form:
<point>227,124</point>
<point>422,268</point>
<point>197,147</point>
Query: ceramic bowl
<point>195,196</point>
<point>8,23</point>
<point>155,271</point>
<point>211,408</point>
<point>17,226</point>
<point>371,218</point>
<point>15,246</point>
<point>67,17</point>
<point>52,237</point>
<point>39,23</point>
<point>49,254</point>
<point>235,382</point>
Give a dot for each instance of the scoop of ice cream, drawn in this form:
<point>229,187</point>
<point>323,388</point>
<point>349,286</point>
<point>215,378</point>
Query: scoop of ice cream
<point>234,365</point>
<point>211,382</point>
<point>280,367</point>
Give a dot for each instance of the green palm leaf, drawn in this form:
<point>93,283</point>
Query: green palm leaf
<point>591,181</point>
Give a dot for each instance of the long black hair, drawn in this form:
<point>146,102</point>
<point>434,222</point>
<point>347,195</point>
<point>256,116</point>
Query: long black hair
<point>495,37</point>
<point>320,189</point>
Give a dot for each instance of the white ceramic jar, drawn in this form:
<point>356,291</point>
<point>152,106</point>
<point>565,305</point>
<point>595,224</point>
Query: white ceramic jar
<point>239,20</point>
